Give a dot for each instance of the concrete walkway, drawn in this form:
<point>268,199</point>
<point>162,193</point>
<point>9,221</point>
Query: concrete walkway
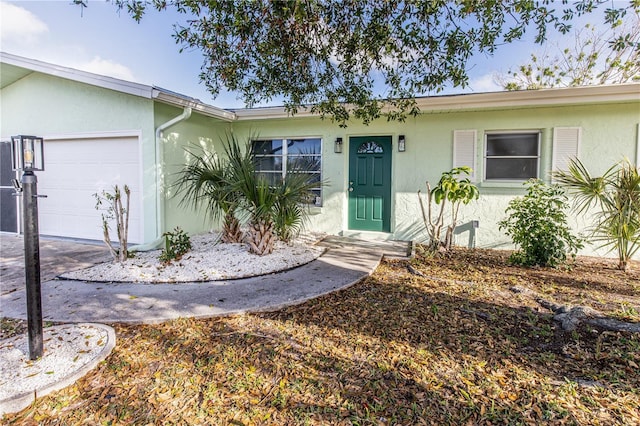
<point>346,262</point>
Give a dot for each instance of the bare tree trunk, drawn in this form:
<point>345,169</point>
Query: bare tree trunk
<point>121,217</point>
<point>434,229</point>
<point>231,229</point>
<point>261,238</point>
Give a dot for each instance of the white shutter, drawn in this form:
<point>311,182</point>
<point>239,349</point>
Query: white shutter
<point>566,145</point>
<point>638,147</point>
<point>464,150</point>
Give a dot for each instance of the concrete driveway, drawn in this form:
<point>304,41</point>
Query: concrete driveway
<point>56,256</point>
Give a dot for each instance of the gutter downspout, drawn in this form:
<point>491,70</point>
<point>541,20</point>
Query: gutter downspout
<point>186,113</point>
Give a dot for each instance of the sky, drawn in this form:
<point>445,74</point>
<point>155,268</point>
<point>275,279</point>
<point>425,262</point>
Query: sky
<point>101,40</point>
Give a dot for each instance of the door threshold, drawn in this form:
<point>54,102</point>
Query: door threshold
<point>367,235</point>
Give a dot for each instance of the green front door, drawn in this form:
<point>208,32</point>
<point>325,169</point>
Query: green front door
<point>370,183</point>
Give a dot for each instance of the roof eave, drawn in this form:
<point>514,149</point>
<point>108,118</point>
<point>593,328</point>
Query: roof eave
<point>122,86</point>
<point>185,102</point>
<point>533,98</point>
<point>491,100</point>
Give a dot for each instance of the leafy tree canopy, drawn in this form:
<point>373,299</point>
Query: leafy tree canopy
<point>355,58</point>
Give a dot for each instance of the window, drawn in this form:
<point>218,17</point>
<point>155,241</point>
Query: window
<point>512,156</point>
<point>277,157</point>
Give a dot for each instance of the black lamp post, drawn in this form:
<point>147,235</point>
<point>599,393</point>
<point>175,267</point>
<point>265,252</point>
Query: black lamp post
<point>28,156</point>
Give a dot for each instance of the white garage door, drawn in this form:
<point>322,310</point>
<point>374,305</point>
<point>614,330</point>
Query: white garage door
<point>75,169</point>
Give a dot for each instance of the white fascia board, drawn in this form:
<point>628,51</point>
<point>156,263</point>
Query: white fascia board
<point>175,99</point>
<point>118,85</point>
<point>528,98</point>
<point>122,86</point>
<point>265,113</point>
<point>493,100</point>
<point>94,135</point>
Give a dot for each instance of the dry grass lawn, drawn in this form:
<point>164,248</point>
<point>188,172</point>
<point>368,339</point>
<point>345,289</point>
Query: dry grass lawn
<point>455,346</point>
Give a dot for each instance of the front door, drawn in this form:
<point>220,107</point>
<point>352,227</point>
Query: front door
<point>370,183</point>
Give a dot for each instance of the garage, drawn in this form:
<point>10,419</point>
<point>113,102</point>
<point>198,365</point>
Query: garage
<point>76,168</point>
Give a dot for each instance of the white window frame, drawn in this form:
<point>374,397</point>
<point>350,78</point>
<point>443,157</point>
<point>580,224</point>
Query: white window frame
<point>285,155</point>
<point>510,132</point>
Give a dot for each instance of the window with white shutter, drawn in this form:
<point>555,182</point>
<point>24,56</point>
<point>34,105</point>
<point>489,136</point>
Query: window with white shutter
<point>566,145</point>
<point>464,150</point>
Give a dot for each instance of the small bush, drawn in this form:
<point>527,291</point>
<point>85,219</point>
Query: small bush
<point>452,188</point>
<point>537,224</point>
<point>176,244</point>
<point>119,213</point>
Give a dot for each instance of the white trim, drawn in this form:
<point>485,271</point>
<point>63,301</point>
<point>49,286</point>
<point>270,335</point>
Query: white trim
<point>528,98</point>
<point>510,132</point>
<point>566,145</point>
<point>95,135</point>
<point>484,101</point>
<point>123,86</point>
<point>136,89</point>
<point>461,139</point>
<point>638,146</point>
<point>472,101</point>
<point>181,101</point>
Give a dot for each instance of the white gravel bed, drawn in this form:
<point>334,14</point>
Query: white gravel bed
<point>208,260</point>
<point>69,351</point>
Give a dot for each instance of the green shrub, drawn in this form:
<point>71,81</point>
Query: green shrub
<point>176,244</point>
<point>537,224</point>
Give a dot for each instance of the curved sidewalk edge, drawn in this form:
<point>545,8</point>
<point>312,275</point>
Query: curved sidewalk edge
<point>346,262</point>
<point>70,352</point>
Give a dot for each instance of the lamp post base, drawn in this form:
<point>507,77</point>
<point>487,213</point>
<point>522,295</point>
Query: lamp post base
<point>32,264</point>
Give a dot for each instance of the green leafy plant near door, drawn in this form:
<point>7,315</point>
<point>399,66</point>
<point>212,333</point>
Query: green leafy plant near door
<point>452,190</point>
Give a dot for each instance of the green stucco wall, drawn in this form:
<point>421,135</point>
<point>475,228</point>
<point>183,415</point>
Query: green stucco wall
<point>45,105</point>
<point>196,134</point>
<point>609,134</point>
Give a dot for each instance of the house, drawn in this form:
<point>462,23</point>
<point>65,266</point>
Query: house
<point>101,131</point>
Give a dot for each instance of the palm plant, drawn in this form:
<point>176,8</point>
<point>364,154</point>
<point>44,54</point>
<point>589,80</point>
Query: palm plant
<point>293,196</point>
<point>232,185</point>
<point>617,195</point>
<point>275,209</point>
<point>205,180</point>
<point>258,199</point>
